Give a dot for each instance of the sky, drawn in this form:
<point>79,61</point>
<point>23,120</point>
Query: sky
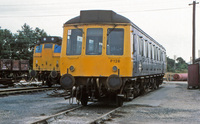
<point>169,22</point>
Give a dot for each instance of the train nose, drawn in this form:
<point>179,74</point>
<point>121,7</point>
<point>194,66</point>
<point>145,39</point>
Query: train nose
<point>67,81</point>
<point>114,82</point>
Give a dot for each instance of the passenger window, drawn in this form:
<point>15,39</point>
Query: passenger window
<point>164,57</point>
<point>141,47</point>
<point>138,44</point>
<point>48,46</point>
<point>134,49</point>
<point>155,53</point>
<point>94,41</point>
<point>115,41</point>
<point>57,48</point>
<point>74,41</point>
<point>146,44</point>
<point>151,52</point>
<point>38,49</point>
<point>158,54</point>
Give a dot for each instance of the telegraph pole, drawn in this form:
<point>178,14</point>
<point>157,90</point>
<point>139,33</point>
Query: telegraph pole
<point>193,31</point>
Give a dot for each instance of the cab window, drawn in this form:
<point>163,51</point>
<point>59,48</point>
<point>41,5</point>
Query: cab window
<point>74,42</point>
<point>57,48</point>
<point>115,41</point>
<point>38,49</point>
<point>94,41</point>
<point>48,46</point>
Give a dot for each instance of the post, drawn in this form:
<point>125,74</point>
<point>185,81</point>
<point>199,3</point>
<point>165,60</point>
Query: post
<point>193,31</point>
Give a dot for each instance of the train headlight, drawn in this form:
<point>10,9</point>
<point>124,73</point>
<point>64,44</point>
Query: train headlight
<point>71,68</point>
<point>67,81</point>
<point>114,68</point>
<point>114,82</point>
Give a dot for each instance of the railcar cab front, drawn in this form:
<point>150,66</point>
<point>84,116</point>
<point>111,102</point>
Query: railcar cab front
<point>46,59</point>
<point>100,56</point>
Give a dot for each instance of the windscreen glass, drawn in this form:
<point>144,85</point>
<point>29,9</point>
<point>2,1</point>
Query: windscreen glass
<point>57,48</point>
<point>74,41</point>
<point>94,41</point>
<point>38,49</point>
<point>48,46</point>
<point>115,41</point>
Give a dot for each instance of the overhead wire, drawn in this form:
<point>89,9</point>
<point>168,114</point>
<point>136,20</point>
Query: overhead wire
<point>167,9</point>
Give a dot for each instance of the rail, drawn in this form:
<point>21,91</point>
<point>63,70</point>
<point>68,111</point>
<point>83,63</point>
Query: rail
<point>23,90</point>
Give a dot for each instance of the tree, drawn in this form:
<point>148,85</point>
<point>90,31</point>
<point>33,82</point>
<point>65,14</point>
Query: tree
<point>6,38</point>
<point>179,67</point>
<point>19,45</point>
<point>170,65</point>
<point>25,40</point>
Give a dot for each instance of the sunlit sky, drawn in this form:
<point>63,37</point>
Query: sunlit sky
<point>168,21</point>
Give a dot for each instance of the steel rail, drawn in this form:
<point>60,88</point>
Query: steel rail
<point>103,117</point>
<point>54,117</point>
<point>23,90</point>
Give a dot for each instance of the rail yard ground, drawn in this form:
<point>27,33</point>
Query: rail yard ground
<point>171,103</point>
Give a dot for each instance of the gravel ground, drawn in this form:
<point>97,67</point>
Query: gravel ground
<point>85,115</point>
<point>173,103</point>
<point>27,108</point>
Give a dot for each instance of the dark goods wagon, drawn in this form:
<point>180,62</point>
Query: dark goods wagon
<point>24,65</point>
<point>5,64</point>
<point>13,71</point>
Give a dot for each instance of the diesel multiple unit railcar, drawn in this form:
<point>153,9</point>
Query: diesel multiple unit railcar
<point>105,55</point>
<point>46,60</point>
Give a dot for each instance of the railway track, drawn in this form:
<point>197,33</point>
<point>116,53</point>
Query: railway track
<point>55,116</point>
<point>94,113</point>
<point>13,91</point>
<point>91,114</point>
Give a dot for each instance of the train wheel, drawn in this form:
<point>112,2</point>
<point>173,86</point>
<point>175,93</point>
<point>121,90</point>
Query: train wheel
<point>128,92</point>
<point>27,78</point>
<point>48,83</point>
<point>119,101</point>
<point>155,85</point>
<point>143,88</point>
<point>84,100</point>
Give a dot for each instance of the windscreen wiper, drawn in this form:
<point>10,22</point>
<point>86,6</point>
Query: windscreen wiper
<point>111,30</point>
<point>76,26</point>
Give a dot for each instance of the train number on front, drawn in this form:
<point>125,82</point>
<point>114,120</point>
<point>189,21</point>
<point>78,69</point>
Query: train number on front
<point>115,60</point>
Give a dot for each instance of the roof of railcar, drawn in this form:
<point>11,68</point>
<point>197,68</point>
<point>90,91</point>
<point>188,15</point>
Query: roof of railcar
<point>105,17</point>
